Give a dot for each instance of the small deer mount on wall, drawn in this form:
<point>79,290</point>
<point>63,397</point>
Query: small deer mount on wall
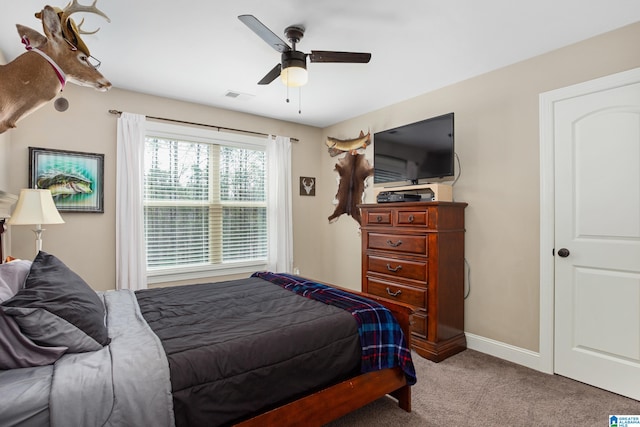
<point>35,77</point>
<point>307,186</point>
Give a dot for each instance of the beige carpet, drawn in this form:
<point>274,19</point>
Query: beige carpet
<point>474,389</point>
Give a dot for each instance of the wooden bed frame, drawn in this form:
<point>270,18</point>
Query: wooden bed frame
<point>2,229</point>
<point>6,201</point>
<point>340,399</point>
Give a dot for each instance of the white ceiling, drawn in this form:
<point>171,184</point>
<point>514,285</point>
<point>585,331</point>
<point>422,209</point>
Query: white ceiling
<point>198,50</point>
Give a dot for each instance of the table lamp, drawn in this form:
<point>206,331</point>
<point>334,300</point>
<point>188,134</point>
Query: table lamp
<point>35,207</point>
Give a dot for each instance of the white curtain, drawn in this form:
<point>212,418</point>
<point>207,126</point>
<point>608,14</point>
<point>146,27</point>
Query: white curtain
<point>279,217</point>
<point>131,257</point>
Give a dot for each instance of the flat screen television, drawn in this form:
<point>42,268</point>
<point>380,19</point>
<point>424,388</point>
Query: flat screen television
<point>416,153</point>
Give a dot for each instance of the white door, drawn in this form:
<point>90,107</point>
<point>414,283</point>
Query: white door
<point>597,238</point>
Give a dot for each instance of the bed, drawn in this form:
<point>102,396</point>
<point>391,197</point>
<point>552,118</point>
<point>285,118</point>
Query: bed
<point>271,349</point>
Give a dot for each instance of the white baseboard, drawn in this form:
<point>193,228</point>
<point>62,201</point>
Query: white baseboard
<point>508,352</point>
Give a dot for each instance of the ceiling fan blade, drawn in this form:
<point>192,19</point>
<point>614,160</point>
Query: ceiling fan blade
<point>330,56</point>
<point>271,75</point>
<point>264,33</point>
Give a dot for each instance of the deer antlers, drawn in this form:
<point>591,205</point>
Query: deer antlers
<point>75,7</point>
<point>72,31</point>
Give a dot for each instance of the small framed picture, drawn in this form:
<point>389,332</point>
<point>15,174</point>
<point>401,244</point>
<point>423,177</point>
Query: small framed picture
<point>75,179</point>
<point>307,186</point>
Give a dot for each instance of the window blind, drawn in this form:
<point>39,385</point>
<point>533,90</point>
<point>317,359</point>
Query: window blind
<point>204,204</point>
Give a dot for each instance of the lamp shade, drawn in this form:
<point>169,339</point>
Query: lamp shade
<point>35,207</point>
<point>7,200</point>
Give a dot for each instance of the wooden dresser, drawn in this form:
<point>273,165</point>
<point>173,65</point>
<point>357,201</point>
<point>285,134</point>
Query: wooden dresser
<point>413,252</point>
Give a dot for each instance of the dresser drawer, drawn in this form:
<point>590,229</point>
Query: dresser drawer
<point>415,218</point>
<point>405,294</point>
<point>378,218</point>
<point>413,244</point>
<point>409,269</point>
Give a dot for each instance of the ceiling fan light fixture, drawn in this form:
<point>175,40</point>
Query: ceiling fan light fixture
<point>294,76</point>
<point>294,69</point>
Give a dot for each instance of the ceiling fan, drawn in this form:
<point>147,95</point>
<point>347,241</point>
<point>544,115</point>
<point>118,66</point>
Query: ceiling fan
<point>292,68</point>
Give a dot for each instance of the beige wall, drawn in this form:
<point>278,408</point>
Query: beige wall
<point>4,148</point>
<point>86,242</point>
<point>496,139</point>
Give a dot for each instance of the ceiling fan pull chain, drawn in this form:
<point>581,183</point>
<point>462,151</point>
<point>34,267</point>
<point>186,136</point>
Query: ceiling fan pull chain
<point>299,100</point>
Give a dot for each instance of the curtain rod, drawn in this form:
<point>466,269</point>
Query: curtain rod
<point>219,128</point>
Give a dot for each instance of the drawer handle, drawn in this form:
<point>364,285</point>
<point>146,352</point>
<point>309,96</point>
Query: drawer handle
<point>399,267</point>
<point>411,218</point>
<point>395,245</point>
<point>394,294</point>
<point>379,218</point>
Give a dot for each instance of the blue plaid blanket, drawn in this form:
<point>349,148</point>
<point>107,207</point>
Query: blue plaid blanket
<point>382,340</point>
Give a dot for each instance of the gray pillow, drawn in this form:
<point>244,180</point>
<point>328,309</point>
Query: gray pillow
<point>57,308</point>
<point>18,351</point>
<point>12,277</point>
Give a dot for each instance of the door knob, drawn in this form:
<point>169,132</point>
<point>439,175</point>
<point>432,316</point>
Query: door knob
<point>563,253</point>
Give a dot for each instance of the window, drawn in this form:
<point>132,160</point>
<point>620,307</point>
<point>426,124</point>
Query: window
<point>205,203</point>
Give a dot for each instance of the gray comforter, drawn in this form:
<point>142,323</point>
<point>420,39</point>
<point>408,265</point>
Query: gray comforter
<point>240,347</point>
<point>124,384</point>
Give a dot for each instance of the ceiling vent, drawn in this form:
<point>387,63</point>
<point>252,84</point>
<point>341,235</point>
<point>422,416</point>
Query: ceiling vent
<point>233,94</point>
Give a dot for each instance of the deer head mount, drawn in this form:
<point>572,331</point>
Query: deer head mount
<point>308,187</point>
<point>35,77</point>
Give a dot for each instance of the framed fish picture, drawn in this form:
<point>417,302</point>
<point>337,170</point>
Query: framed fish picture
<point>75,179</point>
